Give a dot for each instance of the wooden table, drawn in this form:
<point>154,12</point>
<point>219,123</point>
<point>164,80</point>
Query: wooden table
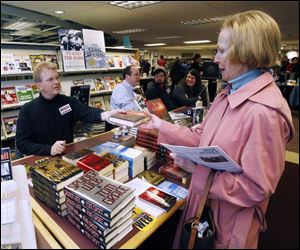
<point>63,231</point>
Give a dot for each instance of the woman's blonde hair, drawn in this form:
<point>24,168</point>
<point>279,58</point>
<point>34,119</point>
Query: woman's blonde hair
<point>256,39</point>
<point>40,67</point>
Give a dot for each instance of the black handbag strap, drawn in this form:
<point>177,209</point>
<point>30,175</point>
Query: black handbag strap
<point>200,209</point>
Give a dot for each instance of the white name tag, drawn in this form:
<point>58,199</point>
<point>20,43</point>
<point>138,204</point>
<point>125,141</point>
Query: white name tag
<point>65,109</point>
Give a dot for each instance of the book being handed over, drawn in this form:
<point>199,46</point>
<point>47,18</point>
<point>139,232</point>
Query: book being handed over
<point>129,119</point>
<point>209,156</point>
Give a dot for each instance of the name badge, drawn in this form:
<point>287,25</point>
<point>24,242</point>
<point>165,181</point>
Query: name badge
<point>65,109</point>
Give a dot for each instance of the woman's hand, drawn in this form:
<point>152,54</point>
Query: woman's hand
<point>186,165</point>
<point>154,122</point>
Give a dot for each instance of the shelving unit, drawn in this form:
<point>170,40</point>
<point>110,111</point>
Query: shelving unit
<point>25,77</point>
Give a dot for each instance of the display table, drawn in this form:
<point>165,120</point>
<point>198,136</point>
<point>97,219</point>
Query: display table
<point>63,231</point>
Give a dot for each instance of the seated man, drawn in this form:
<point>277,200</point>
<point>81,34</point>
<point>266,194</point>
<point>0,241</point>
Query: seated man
<point>123,96</point>
<point>159,89</point>
<point>46,123</point>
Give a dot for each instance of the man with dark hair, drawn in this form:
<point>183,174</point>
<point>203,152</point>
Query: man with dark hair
<point>159,89</point>
<point>123,95</point>
<point>196,62</point>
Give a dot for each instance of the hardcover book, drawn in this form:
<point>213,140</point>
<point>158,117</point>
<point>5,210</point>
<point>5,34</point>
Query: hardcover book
<point>128,119</point>
<point>10,125</point>
<point>157,107</point>
<point>56,171</point>
<point>81,93</point>
<point>6,171</point>
<point>95,162</point>
<point>151,177</point>
<point>170,170</point>
<point>24,94</point>
<point>73,157</point>
<point>158,198</point>
<point>142,220</point>
<point>9,96</point>
<point>103,195</point>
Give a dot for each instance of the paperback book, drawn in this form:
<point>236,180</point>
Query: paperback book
<point>10,126</point>
<point>24,94</point>
<point>142,220</point>
<point>6,171</point>
<point>9,96</point>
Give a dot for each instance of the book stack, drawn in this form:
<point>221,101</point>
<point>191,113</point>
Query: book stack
<point>100,208</point>
<point>134,157</point>
<point>49,176</point>
<point>133,131</point>
<point>95,162</point>
<point>120,170</point>
<point>147,138</point>
<point>175,173</point>
<point>131,119</point>
<point>73,157</point>
<point>149,157</point>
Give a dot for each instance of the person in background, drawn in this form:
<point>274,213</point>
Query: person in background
<point>145,66</point>
<point>284,73</point>
<point>177,73</point>
<point>46,123</point>
<point>250,121</point>
<point>190,90</point>
<point>294,75</point>
<point>196,62</point>
<point>161,61</point>
<point>159,89</point>
<point>123,96</point>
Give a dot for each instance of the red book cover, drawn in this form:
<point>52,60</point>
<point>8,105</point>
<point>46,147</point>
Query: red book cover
<point>95,162</point>
<point>157,107</point>
<point>172,171</point>
<point>158,198</point>
<point>149,132</point>
<point>9,95</point>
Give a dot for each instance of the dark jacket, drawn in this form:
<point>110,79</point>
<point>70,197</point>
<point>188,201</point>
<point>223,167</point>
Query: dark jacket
<point>184,95</point>
<point>154,91</point>
<point>40,123</point>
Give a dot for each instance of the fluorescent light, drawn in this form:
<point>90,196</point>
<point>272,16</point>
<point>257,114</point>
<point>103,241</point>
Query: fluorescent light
<point>129,31</point>
<point>168,37</point>
<point>19,25</point>
<point>200,41</point>
<point>133,4</point>
<point>154,44</point>
<point>59,12</point>
<point>203,20</point>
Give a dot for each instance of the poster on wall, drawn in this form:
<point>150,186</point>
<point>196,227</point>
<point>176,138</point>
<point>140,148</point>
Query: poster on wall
<point>71,45</point>
<point>94,48</point>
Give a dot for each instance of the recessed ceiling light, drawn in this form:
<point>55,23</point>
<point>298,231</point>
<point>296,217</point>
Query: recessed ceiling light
<point>59,12</point>
<point>200,41</point>
<point>154,44</point>
<point>129,31</point>
<point>133,4</point>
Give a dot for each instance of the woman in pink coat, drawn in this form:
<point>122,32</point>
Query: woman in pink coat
<point>250,121</point>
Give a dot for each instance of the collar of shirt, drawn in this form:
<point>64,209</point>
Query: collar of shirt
<point>128,85</point>
<point>244,79</point>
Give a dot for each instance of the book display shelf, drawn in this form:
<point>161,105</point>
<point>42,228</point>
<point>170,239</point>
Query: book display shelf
<point>17,61</point>
<point>64,232</point>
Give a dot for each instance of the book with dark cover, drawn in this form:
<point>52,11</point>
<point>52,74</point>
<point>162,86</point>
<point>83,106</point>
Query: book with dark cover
<point>170,170</point>
<point>95,162</point>
<point>148,132</point>
<point>6,171</point>
<point>56,171</point>
<point>49,194</point>
<point>158,198</point>
<point>9,96</point>
<point>151,177</point>
<point>73,157</point>
<point>47,188</point>
<point>128,119</point>
<point>81,93</point>
<point>157,107</point>
<point>103,195</point>
<point>88,219</point>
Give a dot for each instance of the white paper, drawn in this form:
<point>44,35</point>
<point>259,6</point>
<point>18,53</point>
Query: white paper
<point>211,156</point>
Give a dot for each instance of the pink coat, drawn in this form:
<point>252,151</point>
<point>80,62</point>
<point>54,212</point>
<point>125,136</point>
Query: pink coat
<point>252,125</point>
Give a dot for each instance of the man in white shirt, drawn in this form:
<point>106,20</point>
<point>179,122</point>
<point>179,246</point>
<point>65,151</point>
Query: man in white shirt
<point>123,95</point>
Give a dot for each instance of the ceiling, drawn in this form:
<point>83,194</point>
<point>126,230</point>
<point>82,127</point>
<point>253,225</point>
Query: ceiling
<point>160,20</point>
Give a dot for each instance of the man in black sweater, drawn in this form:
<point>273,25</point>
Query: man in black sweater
<point>159,89</point>
<point>45,124</point>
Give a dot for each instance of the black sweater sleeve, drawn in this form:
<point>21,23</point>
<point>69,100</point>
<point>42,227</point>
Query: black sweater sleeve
<point>181,97</point>
<point>24,137</point>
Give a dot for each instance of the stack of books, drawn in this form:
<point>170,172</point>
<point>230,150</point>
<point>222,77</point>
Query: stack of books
<point>100,208</point>
<point>175,173</point>
<point>73,157</point>
<point>95,162</point>
<point>49,176</point>
<point>147,138</point>
<point>149,157</point>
